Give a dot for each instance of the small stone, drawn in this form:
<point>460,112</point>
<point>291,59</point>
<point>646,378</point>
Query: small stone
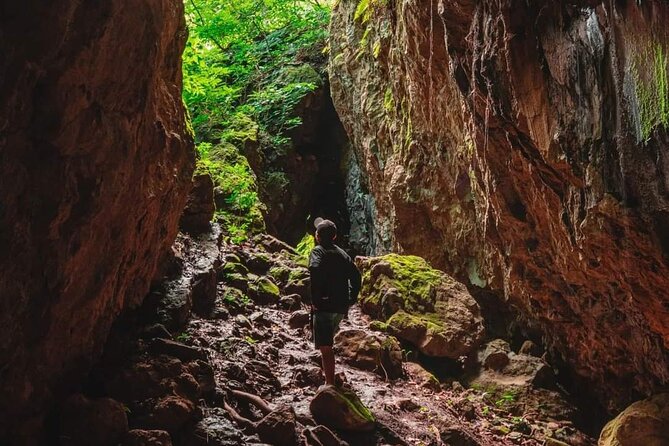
<point>299,319</point>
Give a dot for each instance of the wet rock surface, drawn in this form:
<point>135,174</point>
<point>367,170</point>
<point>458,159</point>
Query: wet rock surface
<point>253,379</point>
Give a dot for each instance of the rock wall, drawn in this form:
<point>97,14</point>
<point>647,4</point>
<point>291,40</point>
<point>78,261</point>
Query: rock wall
<point>95,163</point>
<point>523,146</point>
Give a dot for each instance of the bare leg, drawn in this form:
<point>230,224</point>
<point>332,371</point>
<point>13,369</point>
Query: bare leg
<point>327,356</point>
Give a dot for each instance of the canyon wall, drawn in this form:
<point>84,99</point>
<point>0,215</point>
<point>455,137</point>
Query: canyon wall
<point>523,146</point>
<point>95,164</point>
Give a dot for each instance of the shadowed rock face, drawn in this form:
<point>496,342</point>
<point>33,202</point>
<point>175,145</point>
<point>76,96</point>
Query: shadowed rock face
<point>95,163</point>
<point>523,146</point>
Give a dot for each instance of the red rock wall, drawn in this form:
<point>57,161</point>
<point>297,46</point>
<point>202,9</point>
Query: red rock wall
<point>95,162</point>
<point>505,142</point>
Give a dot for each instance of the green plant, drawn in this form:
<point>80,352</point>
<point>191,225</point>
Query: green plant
<point>183,337</point>
<point>249,340</point>
<point>508,397</point>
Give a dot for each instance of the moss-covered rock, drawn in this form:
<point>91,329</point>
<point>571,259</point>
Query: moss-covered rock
<point>421,305</point>
<point>264,291</point>
<point>280,273</point>
<point>233,268</point>
<point>341,409</point>
<point>259,262</point>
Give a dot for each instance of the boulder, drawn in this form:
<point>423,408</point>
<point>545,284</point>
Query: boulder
<point>204,292</point>
<point>299,319</point>
<point>290,303</point>
<point>370,351</point>
<point>200,208</point>
<point>341,409</point>
<point>496,354</point>
<point>421,376</point>
<point>94,422</point>
<point>264,291</point>
<point>140,437</point>
<point>644,423</point>
<point>232,266</point>
<point>278,427</point>
<point>422,305</point>
<point>258,263</point>
<point>175,303</point>
<point>432,336</point>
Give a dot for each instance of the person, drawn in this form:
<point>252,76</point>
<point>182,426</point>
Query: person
<point>335,284</point>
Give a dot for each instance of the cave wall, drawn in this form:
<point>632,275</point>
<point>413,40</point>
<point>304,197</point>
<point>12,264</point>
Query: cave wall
<point>522,146</point>
<point>95,164</point>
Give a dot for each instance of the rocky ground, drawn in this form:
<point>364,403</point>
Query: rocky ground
<point>222,357</point>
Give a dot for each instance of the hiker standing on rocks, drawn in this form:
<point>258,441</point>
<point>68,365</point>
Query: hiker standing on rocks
<point>335,284</point>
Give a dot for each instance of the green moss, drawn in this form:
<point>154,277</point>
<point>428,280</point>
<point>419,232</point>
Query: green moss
<point>651,82</point>
<point>378,326</point>
<point>267,287</point>
<point>354,403</point>
<point>388,100</point>
<point>280,273</point>
<point>235,268</point>
<point>413,278</point>
<point>429,322</point>
<point>298,274</point>
<point>376,49</point>
<point>363,12</point>
<point>306,245</point>
<point>300,74</point>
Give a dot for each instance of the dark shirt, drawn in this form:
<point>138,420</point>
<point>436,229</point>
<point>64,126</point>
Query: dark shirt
<point>335,280</point>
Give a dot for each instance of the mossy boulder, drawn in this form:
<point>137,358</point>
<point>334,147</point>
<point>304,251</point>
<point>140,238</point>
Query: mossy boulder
<point>421,305</point>
<point>341,409</point>
<point>264,291</point>
<point>645,423</point>
<point>232,268</point>
<point>279,273</point>
<point>259,262</point>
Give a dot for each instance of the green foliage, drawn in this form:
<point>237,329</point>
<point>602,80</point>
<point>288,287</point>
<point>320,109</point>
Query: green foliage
<point>240,209</point>
<point>306,245</point>
<point>245,71</point>
<point>364,10</point>
<point>650,71</point>
<point>183,337</point>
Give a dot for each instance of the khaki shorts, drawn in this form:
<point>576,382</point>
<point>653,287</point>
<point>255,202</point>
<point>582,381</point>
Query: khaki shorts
<point>325,326</point>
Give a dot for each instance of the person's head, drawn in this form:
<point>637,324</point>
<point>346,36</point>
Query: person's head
<point>326,231</point>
